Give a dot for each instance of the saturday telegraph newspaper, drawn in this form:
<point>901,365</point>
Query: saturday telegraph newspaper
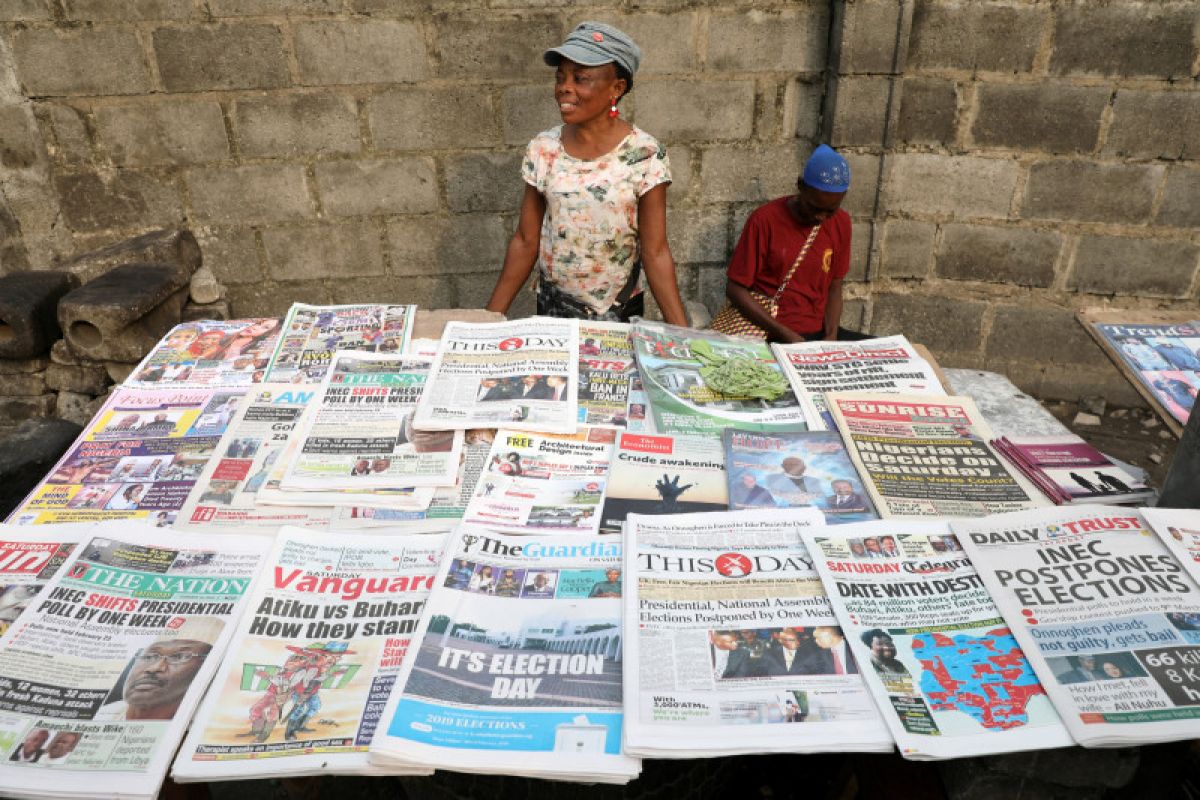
<point>928,456</point>
<point>1179,530</point>
<point>518,375</point>
<point>605,367</point>
<point>29,557</point>
<point>305,678</point>
<point>729,634</point>
<point>312,334</point>
<point>517,664</point>
<point>1104,612</point>
<point>209,352</point>
<point>944,668</point>
<point>105,669</point>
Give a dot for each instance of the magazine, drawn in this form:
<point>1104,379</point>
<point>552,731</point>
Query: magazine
<point>939,659</point>
<point>605,368</point>
<point>516,668</point>
<point>1179,530</point>
<point>729,637</point>
<point>795,470</point>
<point>312,334</point>
<point>301,687</point>
<point>927,456</point>
<point>1103,612</point>
<point>1069,470</point>
<point>29,557</point>
<point>517,375</point>
<point>107,667</point>
<point>1162,357</point>
<point>663,475</point>
<point>209,352</point>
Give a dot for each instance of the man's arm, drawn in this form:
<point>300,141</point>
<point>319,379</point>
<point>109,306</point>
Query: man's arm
<point>744,301</point>
<point>656,255</point>
<point>522,251</point>
<point>833,310</point>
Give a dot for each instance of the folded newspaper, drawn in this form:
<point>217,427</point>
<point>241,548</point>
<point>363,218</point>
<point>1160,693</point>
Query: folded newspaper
<point>312,334</point>
<point>942,664</point>
<point>729,634</point>
<point>516,666</point>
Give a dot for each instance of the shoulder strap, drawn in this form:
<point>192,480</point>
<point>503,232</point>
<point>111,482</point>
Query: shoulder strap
<point>812,236</point>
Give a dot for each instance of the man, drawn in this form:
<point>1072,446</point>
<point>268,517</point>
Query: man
<point>362,466</point>
<point>747,493</point>
<point>33,748</point>
<point>162,672</point>
<point>306,699</point>
<point>857,549</point>
<point>558,387</point>
<point>533,387</point>
<point>844,499</point>
<point>1084,671</point>
<point>871,543</point>
<point>381,465</point>
<point>61,747</point>
<point>729,661</point>
<point>540,586</point>
<point>159,426</point>
<point>792,485</point>
<point>831,656</point>
<point>883,653</point>
<point>887,547</point>
<point>611,587</point>
<point>786,659</point>
<point>492,389</point>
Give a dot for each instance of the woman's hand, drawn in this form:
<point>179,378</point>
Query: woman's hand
<point>656,255</point>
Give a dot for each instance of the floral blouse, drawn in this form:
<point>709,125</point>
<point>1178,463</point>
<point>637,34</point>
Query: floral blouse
<point>590,233</point>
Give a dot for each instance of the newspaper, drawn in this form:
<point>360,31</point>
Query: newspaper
<point>137,459</point>
<point>359,435</point>
<point>605,367</point>
<point>543,483</point>
<point>516,375</point>
<point>209,352</point>
<point>663,475</point>
<point>29,557</point>
<point>1068,470</point>
<point>107,666</point>
<point>928,456</point>
<point>1179,530</point>
<point>301,688</point>
<point>728,633</point>
<point>312,334</point>
<point>679,367</point>
<point>517,670</point>
<point>1163,357</point>
<point>637,416</point>
<point>939,659</point>
<point>1104,612</point>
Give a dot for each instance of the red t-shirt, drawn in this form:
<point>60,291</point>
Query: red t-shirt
<point>767,249</point>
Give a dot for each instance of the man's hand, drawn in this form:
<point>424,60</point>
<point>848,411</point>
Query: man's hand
<point>669,488</point>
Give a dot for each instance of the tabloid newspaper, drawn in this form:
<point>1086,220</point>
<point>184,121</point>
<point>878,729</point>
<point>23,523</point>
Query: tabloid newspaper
<point>29,557</point>
<point>887,364</point>
<point>517,665</point>
<point>517,375</point>
<point>1104,613</point>
<point>543,483</point>
<point>137,459</point>
<point>1179,530</point>
<point>663,475</point>
<point>795,470</point>
<point>1069,470</point>
<point>209,352</point>
<point>927,456</point>
<point>358,433</point>
<point>312,334</point>
<point>605,366</point>
<point>944,668</point>
<point>1163,357</point>
<point>728,633</point>
<point>301,688</point>
<point>107,666</point>
<point>680,366</point>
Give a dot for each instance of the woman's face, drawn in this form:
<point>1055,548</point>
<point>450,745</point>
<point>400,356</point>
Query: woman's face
<point>585,93</point>
<point>259,328</point>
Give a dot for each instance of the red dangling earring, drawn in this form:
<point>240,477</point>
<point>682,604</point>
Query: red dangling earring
<point>612,110</point>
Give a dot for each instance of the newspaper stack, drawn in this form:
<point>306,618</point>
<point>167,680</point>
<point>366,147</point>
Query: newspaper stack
<point>1103,611</point>
<point>945,671</point>
<point>102,675</point>
<point>312,334</point>
<point>1068,470</point>
<point>729,635</point>
<point>304,681</point>
<point>516,668</point>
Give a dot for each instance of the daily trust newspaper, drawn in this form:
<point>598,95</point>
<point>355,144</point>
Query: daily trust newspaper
<point>518,666</point>
<point>1105,614</point>
<point>518,375</point>
<point>927,456</point>
<point>107,666</point>
<point>946,672</point>
<point>729,634</point>
<point>304,681</point>
<point>312,334</point>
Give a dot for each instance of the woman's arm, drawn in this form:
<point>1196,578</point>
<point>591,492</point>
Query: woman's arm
<point>833,310</point>
<point>743,301</point>
<point>522,251</point>
<point>656,254</point>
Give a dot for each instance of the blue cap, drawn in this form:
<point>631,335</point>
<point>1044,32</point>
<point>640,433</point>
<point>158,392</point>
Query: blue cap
<point>827,171</point>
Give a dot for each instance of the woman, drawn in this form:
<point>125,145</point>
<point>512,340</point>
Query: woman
<point>594,210</point>
<point>252,338</point>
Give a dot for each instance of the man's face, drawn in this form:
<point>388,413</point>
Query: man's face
<point>162,673</point>
<point>35,740</point>
<point>872,545</point>
<point>789,639</point>
<point>361,465</point>
<point>749,636</point>
<point>794,466</point>
<point>842,489</point>
<point>540,581</point>
<point>827,637</point>
<point>883,648</point>
<point>888,544</point>
<point>748,481</point>
<point>529,380</point>
<point>62,744</point>
<point>381,465</point>
<point>857,548</point>
<point>725,641</point>
<point>1087,662</point>
<point>613,575</point>
<point>815,206</point>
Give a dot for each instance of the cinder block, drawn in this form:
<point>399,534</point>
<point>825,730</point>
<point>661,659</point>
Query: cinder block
<point>860,112</point>
<point>273,299</point>
<point>1155,125</point>
<point>156,134</point>
<point>699,235</point>
<point>425,292</point>
<point>860,250</point>
<point>366,188</point>
<point>473,291</point>
<point>23,366</point>
<point>868,37</point>
<point>1138,267</point>
<point>343,250</point>
<point>666,39</point>
<point>482,44</point>
<point>24,11</point>
<point>732,173</point>
<point>484,181</point>
<point>1034,116</point>
<point>527,111</point>
<point>127,10</point>
<point>1181,199</point>
<point>794,40</point>
<point>174,246</point>
<point>246,195</point>
<point>946,325</point>
<point>231,254</point>
<point>85,380</point>
<point>223,56</point>
<point>854,314</point>
<point>864,183</point>
<point>975,36</point>
<point>802,108</point>
<point>360,51</point>
<point>81,61</point>
<point>687,110</point>
<point>124,199</point>
<point>28,312</point>
<point>1124,39</point>
<point>19,138</point>
<point>444,245</point>
<point>965,186</point>
<point>998,255</point>
<point>71,144</point>
<point>412,119</point>
<point>1090,191</point>
<point>231,8</point>
<point>928,110</point>
<point>907,249</point>
<point>299,124</point>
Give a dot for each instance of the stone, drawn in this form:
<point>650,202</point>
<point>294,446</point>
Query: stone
<point>1030,117</point>
<point>93,201</point>
<point>699,235</point>
<point>195,58</point>
<point>1093,404</point>
<point>527,111</point>
<point>1150,422</point>
<point>128,10</point>
<point>348,250</point>
<point>484,181</point>
<point>28,452</point>
<point>195,311</point>
<point>118,371</point>
<point>24,384</point>
<point>406,185</point>
<point>28,302</point>
<point>444,245</point>
<point>1181,199</point>
<point>1139,267</point>
<point>998,255</point>
<point>1091,192</point>
<point>121,315</point>
<point>678,110</point>
<point>794,40</point>
<point>162,133</point>
<point>427,292</point>
<point>231,254</point>
<point>298,125</point>
<point>21,366</point>
<point>946,325</point>
<point>85,380</point>
<point>250,194</point>
<point>864,184</point>
<point>928,109</point>
<point>1124,40</point>
<point>961,186</point>
<point>204,287</point>
<point>230,8</point>
<point>1155,457</point>
<point>343,52</point>
<point>1084,419</point>
<point>426,118</point>
<point>14,410</point>
<point>176,246</point>
<point>1162,125</point>
<point>802,101</point>
<point>71,145</point>
<point>737,173</point>
<point>19,147</point>
<point>80,61</point>
<point>511,47</point>
<point>74,407</point>
<point>859,111</point>
<point>1041,335</point>
<point>24,11</point>
<point>868,36</point>
<point>976,37</point>
<point>61,353</point>
<point>907,249</point>
<point>672,36</point>
<point>273,299</point>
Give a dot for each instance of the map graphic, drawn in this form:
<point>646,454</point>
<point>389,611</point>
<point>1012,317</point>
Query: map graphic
<point>985,676</point>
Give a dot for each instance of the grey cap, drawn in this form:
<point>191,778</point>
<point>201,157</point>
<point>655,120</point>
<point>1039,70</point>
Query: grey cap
<point>594,43</point>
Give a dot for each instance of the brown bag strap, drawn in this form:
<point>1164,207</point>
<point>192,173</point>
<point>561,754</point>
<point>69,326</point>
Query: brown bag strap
<point>812,237</point>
